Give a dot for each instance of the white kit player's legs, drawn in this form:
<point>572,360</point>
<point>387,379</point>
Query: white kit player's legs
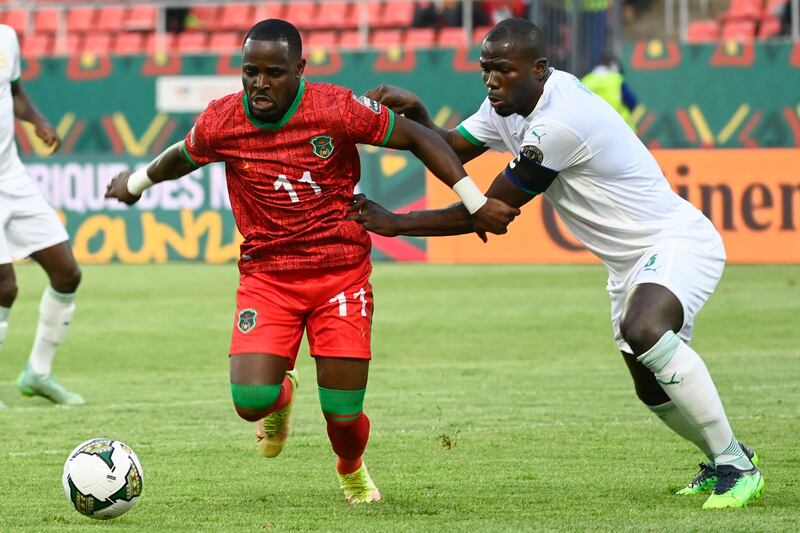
<point>676,421</point>
<point>685,378</point>
<point>55,314</point>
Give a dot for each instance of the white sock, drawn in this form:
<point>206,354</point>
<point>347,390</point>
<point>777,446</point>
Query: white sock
<point>685,378</point>
<point>674,419</point>
<point>4,311</point>
<point>55,313</point>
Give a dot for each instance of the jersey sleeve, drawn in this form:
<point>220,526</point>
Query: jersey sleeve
<point>16,70</point>
<point>479,129</point>
<point>198,145</point>
<point>367,121</point>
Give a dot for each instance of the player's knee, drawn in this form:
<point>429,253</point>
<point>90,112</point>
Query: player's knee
<point>254,402</point>
<point>341,407</point>
<point>8,292</point>
<point>66,281</point>
<point>641,333</point>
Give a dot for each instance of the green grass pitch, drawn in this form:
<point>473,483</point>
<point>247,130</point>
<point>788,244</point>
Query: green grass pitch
<point>497,397</point>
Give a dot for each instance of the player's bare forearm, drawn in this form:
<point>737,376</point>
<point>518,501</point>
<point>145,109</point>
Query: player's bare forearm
<point>171,164</point>
<point>24,109</point>
<point>453,220</point>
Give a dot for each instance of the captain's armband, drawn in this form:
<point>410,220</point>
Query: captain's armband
<point>526,171</point>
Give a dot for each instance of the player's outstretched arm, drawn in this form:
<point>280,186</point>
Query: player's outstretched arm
<point>408,104</point>
<point>489,215</point>
<point>171,164</point>
<point>24,109</point>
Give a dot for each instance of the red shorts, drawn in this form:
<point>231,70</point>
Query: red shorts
<point>273,310</point>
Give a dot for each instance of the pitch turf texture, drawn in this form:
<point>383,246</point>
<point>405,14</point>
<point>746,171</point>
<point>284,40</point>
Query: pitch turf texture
<point>498,403</point>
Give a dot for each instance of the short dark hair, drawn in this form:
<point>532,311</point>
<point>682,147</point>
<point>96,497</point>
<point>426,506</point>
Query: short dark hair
<point>277,30</point>
<point>521,32</point>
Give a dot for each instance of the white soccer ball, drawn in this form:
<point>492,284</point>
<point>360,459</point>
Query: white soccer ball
<point>102,478</point>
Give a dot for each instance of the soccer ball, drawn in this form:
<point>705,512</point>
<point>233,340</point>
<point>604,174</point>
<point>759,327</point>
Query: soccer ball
<point>102,478</point>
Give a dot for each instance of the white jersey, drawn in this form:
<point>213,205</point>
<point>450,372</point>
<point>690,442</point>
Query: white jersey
<point>609,191</point>
<point>11,168</point>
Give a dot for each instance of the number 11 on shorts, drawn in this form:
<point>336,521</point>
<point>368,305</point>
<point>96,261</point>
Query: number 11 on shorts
<point>341,298</point>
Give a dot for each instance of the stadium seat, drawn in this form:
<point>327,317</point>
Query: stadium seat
<point>420,38</point>
<point>336,16</point>
<point>223,42</point>
<point>128,43</point>
<point>267,10</point>
<point>743,10</point>
<point>385,38</point>
<point>150,42</point>
<point>397,15</point>
<point>374,12</point>
<point>19,19</point>
<point>140,18</point>
<point>237,17</point>
<point>191,42</point>
<point>739,30</point>
<point>81,19</point>
<point>350,40</point>
<point>319,39</point>
<point>703,31</point>
<point>71,45</point>
<point>479,33</point>
<point>301,14</point>
<point>97,43</point>
<point>110,18</point>
<point>774,8</point>
<point>46,20</point>
<point>451,38</point>
<point>37,45</point>
<point>203,17</point>
<point>769,27</point>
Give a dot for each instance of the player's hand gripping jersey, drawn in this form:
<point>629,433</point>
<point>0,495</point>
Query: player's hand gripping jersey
<point>290,182</point>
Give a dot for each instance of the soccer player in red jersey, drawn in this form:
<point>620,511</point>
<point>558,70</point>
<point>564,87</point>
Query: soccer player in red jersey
<point>289,148</point>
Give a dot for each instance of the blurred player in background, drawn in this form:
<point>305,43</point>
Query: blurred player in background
<point>29,227</point>
<point>664,257</point>
<point>289,148</point>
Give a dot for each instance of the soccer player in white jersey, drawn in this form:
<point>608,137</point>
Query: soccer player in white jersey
<point>664,258</point>
<point>30,228</point>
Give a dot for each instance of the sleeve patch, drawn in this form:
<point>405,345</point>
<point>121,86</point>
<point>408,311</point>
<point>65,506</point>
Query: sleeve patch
<point>369,103</point>
<point>533,153</point>
<point>526,171</point>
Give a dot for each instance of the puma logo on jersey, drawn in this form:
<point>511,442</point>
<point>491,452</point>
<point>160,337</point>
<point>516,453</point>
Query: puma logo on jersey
<point>537,135</point>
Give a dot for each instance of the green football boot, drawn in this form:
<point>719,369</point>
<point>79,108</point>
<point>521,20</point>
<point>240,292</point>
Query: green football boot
<point>273,430</point>
<point>705,480</point>
<point>32,384</point>
<point>358,487</point>
<point>735,488</point>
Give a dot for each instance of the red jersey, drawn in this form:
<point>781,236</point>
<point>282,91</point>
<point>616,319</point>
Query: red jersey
<point>290,183</point>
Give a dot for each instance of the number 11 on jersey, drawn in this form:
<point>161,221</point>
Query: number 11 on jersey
<point>342,299</point>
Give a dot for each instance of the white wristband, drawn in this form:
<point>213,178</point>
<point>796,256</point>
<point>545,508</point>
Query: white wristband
<point>470,194</point>
<point>138,182</point>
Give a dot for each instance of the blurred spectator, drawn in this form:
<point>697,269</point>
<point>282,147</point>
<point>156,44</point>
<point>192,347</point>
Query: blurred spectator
<point>786,19</point>
<point>440,13</point>
<point>607,82</point>
<point>176,18</point>
<point>498,10</point>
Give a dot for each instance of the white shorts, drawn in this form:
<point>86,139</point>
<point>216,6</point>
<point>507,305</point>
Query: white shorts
<point>27,222</point>
<point>689,269</point>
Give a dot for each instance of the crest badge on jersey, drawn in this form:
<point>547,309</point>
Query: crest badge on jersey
<point>533,153</point>
<point>369,103</point>
<point>322,145</point>
<point>247,320</point>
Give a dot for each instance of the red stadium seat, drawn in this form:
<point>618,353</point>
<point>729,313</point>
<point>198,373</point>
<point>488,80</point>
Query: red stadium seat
<point>110,18</point>
<point>301,14</point>
<point>97,43</point>
<point>267,10</point>
<point>81,19</point>
<point>46,20</point>
<point>350,40</point>
<point>420,38</point>
<point>127,43</point>
<point>319,39</point>
<point>223,42</point>
<point>203,17</point>
<point>141,18</point>
<point>739,30</point>
<point>236,17</point>
<point>151,41</point>
<point>703,31</point>
<point>191,42</point>
<point>743,10</point>
<point>19,19</point>
<point>386,38</point>
<point>769,27</point>
<point>451,38</point>
<point>479,33</point>
<point>374,12</point>
<point>37,45</point>
<point>69,47</point>
<point>336,15</point>
<point>397,15</point>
